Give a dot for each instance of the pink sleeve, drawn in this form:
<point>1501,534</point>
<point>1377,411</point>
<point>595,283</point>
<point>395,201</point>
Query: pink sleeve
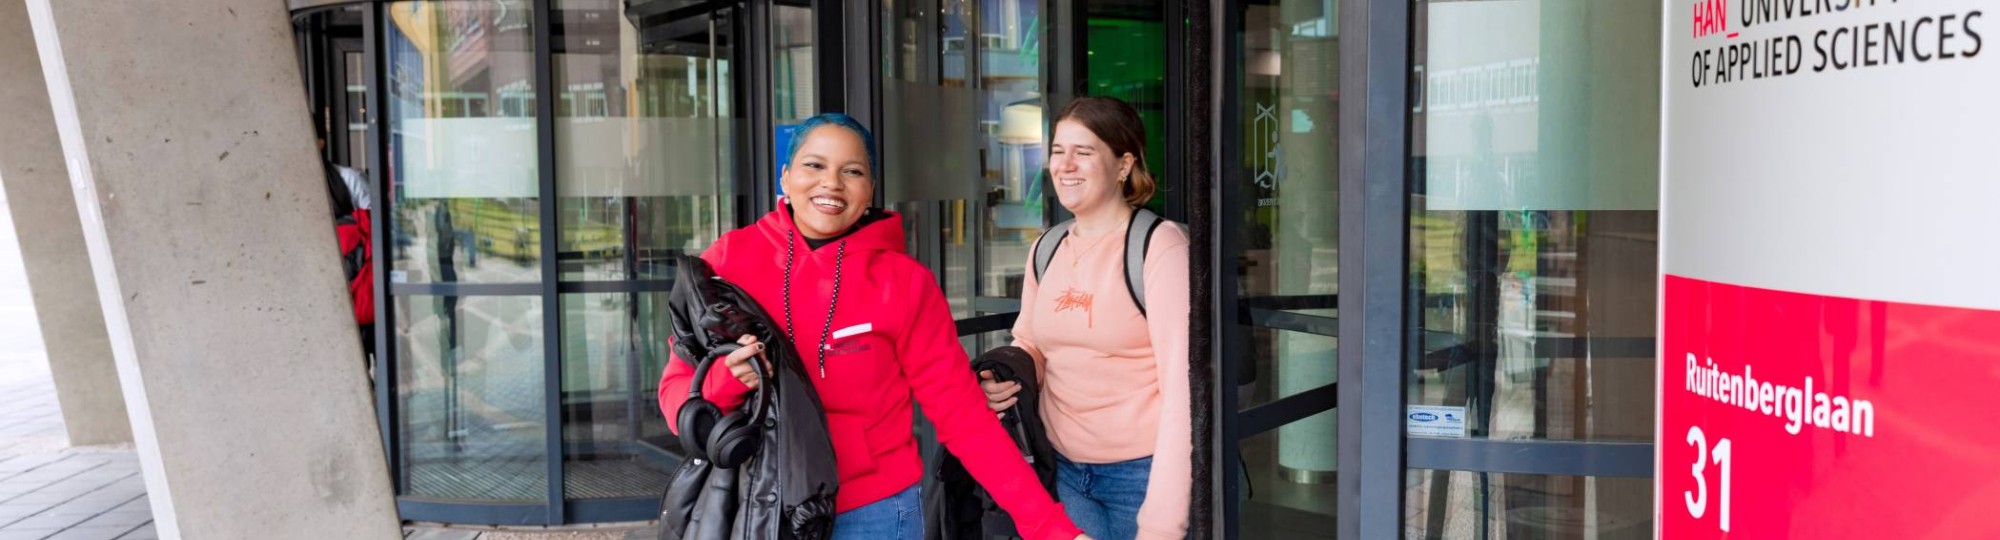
<point>941,377</point>
<point>1164,513</point>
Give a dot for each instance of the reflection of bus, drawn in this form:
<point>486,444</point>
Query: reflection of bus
<point>509,228</point>
<point>506,228</point>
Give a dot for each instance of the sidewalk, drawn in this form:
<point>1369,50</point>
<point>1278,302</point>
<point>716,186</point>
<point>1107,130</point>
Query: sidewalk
<point>51,492</point>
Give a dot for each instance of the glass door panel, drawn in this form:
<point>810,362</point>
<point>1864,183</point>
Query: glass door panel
<point>1534,251</point>
<point>464,232</point>
<point>645,157</point>
<point>1286,228</point>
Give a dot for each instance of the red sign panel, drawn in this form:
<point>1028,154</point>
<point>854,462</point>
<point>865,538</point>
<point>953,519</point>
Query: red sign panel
<point>1788,415</point>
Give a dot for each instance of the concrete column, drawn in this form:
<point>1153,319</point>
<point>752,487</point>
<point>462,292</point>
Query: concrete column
<point>204,212</point>
<point>44,211</point>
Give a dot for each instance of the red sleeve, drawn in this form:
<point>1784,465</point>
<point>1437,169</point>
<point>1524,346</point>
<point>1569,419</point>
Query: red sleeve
<point>721,387</point>
<point>941,377</point>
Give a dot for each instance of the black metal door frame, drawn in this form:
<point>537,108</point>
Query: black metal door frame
<point>1378,88</point>
<point>750,50</point>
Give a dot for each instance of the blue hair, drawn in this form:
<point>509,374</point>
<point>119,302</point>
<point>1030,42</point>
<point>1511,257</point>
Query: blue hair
<point>839,120</point>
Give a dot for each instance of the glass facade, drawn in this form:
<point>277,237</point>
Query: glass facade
<point>470,387</point>
<point>1533,253</point>
<point>1286,230</point>
<point>1474,505</point>
<point>465,210</point>
<point>540,162</point>
<point>531,229</point>
<point>644,151</point>
<point>462,126</point>
<point>964,119</point>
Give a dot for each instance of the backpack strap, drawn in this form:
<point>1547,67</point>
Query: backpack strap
<point>1138,238</point>
<point>1045,247</point>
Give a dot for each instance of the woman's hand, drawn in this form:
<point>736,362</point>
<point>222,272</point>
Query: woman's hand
<point>1083,537</point>
<point>999,395</point>
<point>738,362</point>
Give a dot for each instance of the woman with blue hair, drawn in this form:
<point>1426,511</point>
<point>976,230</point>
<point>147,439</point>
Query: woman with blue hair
<point>877,335</point>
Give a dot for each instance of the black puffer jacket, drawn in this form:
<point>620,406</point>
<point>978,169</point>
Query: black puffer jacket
<point>963,510</point>
<point>786,490</point>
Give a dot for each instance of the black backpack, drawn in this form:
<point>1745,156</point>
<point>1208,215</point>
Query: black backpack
<point>1138,237</point>
<point>785,489</point>
<point>961,509</point>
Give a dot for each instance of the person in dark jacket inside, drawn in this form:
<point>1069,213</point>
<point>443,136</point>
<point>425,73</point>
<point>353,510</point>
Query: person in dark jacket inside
<point>877,337</point>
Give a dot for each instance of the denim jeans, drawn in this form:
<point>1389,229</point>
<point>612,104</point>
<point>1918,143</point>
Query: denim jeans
<point>899,517</point>
<point>1104,499</point>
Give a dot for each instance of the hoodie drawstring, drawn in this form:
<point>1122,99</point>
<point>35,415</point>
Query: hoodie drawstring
<point>840,255</point>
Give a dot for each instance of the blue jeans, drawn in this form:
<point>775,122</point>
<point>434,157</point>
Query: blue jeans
<point>899,517</point>
<point>1104,499</point>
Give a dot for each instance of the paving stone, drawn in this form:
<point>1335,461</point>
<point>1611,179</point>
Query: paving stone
<point>89,508</point>
<point>38,497</point>
<point>128,520</point>
<point>91,533</point>
<point>47,520</point>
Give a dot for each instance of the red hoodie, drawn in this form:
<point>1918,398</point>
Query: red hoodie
<point>892,337</point>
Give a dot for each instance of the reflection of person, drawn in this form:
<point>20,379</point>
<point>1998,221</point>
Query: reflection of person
<point>1114,378</point>
<point>875,331</point>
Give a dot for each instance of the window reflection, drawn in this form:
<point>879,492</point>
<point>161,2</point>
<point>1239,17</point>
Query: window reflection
<point>1534,249</point>
<point>964,125</point>
<point>1460,504</point>
<point>792,95</point>
<point>470,383</point>
<point>646,134</point>
<point>462,170</point>
<point>1534,230</point>
<point>1289,260</point>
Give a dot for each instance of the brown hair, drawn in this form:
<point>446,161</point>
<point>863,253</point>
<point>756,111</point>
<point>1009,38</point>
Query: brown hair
<point>1118,124</point>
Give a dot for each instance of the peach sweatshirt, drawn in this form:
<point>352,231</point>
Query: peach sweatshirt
<point>1115,382</point>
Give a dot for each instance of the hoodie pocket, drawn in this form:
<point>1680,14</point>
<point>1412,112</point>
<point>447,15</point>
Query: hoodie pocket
<point>851,453</point>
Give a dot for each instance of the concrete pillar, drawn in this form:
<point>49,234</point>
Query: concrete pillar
<point>204,212</point>
<point>44,211</point>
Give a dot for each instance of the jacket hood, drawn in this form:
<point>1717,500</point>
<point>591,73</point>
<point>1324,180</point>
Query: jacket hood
<point>873,233</point>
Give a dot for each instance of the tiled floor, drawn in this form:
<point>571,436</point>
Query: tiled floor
<point>50,492</point>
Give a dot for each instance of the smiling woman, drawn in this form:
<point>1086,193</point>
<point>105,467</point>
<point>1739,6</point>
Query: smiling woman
<point>829,175</point>
<point>873,327</point>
